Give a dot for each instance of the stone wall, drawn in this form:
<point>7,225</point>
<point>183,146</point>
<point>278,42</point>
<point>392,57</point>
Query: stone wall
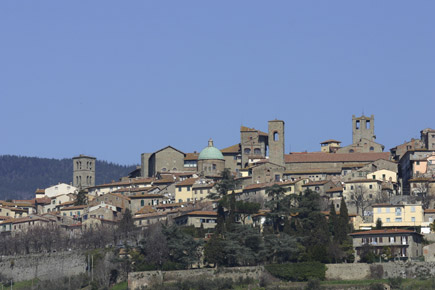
<point>138,280</point>
<point>359,271</point>
<point>43,266</point>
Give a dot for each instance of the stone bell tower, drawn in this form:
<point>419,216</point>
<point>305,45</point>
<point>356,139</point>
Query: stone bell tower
<point>276,142</point>
<point>83,171</point>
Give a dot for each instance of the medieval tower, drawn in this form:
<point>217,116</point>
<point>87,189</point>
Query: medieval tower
<point>363,128</point>
<point>276,142</point>
<point>83,171</point>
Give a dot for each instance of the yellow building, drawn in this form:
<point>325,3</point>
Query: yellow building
<point>383,175</point>
<point>184,190</point>
<point>399,215</point>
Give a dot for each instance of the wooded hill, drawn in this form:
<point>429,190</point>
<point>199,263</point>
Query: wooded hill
<point>20,176</point>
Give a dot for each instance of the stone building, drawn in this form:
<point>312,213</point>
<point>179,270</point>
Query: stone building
<point>253,144</point>
<point>400,243</point>
<point>83,171</point>
<point>363,136</point>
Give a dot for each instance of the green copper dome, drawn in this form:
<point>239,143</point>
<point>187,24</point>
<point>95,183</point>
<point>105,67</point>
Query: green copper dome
<point>210,152</point>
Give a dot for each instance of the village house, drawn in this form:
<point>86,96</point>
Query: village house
<point>198,219</point>
<point>399,243</point>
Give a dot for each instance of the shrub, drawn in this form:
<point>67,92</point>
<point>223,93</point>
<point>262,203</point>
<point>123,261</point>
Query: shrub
<point>376,271</point>
<point>298,271</point>
<point>313,284</point>
<point>395,283</point>
<point>377,286</point>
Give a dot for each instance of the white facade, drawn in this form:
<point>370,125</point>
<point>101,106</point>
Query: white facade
<point>59,189</point>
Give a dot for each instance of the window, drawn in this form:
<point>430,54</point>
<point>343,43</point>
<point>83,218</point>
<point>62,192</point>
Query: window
<point>247,151</point>
<point>214,167</point>
<point>179,189</point>
<point>370,195</point>
<point>388,220</point>
<point>188,188</point>
<point>398,211</point>
<point>379,210</point>
<point>412,208</point>
<point>383,176</point>
<point>277,177</point>
<point>351,187</point>
<point>372,148</point>
<point>418,163</point>
<point>257,151</point>
<point>413,219</point>
<point>275,136</point>
<point>387,209</point>
<point>374,176</point>
<point>351,151</point>
<point>399,220</point>
<point>142,202</point>
<point>371,186</point>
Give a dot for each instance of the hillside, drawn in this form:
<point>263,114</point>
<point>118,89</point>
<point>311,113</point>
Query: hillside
<point>21,176</point>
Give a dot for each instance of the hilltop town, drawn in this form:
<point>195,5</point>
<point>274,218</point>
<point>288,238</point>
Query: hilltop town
<point>386,197</point>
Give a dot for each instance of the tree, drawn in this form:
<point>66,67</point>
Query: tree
<point>246,208</point>
<point>275,191</point>
<point>81,198</point>
<point>183,249</point>
<point>333,219</point>
<point>343,228</point>
<point>362,200</point>
<point>126,224</point>
<point>378,224</point>
<point>422,190</point>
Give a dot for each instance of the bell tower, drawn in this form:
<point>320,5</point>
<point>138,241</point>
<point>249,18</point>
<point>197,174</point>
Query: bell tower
<point>276,142</point>
<point>363,128</point>
<point>83,171</point>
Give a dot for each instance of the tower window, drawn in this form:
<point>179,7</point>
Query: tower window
<point>351,151</point>
<point>372,148</point>
<point>357,125</point>
<point>247,151</point>
<point>368,124</point>
<point>257,151</point>
<point>275,136</point>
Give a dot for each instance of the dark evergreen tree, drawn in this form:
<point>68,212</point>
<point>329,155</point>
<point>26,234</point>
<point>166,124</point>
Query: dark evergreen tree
<point>81,198</point>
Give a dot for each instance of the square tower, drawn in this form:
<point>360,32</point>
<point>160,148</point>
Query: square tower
<point>276,142</point>
<point>83,171</point>
<point>363,128</point>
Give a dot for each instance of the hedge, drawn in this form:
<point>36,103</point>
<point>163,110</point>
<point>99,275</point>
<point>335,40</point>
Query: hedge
<point>297,271</point>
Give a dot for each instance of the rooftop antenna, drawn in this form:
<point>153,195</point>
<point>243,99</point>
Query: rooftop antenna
<point>363,111</point>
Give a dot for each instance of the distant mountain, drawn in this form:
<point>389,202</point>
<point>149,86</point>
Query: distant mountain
<point>21,176</point>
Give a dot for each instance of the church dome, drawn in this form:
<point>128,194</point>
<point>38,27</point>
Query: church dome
<point>210,152</point>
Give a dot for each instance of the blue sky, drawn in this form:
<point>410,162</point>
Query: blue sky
<point>114,79</point>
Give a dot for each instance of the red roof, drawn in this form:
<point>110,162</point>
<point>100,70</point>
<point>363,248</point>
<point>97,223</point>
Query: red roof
<point>306,157</point>
<point>385,231</point>
<point>187,182</point>
<point>202,213</point>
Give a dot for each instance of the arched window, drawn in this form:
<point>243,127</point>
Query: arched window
<point>257,151</point>
<point>372,148</point>
<point>247,151</point>
<point>163,169</point>
<point>351,151</point>
<point>275,136</point>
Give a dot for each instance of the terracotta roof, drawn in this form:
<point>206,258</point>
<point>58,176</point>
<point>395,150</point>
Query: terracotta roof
<point>40,191</point>
<point>307,157</point>
<point>312,183</point>
<point>316,170</point>
<point>232,149</point>
<point>330,141</point>
<point>43,200</point>
<point>362,181</point>
<point>145,196</point>
<point>146,209</point>
<point>258,185</point>
<point>191,156</point>
<point>201,213</point>
<point>117,194</point>
<point>169,205</point>
<point>207,185</point>
<point>246,129</point>
<point>74,207</point>
<point>66,203</point>
<point>429,211</point>
<point>385,231</point>
<point>335,189</point>
<point>135,189</point>
<point>419,179</point>
<point>26,219</point>
<point>187,182</point>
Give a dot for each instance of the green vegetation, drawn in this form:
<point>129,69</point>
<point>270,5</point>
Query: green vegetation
<point>120,286</point>
<point>21,176</point>
<point>297,271</point>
